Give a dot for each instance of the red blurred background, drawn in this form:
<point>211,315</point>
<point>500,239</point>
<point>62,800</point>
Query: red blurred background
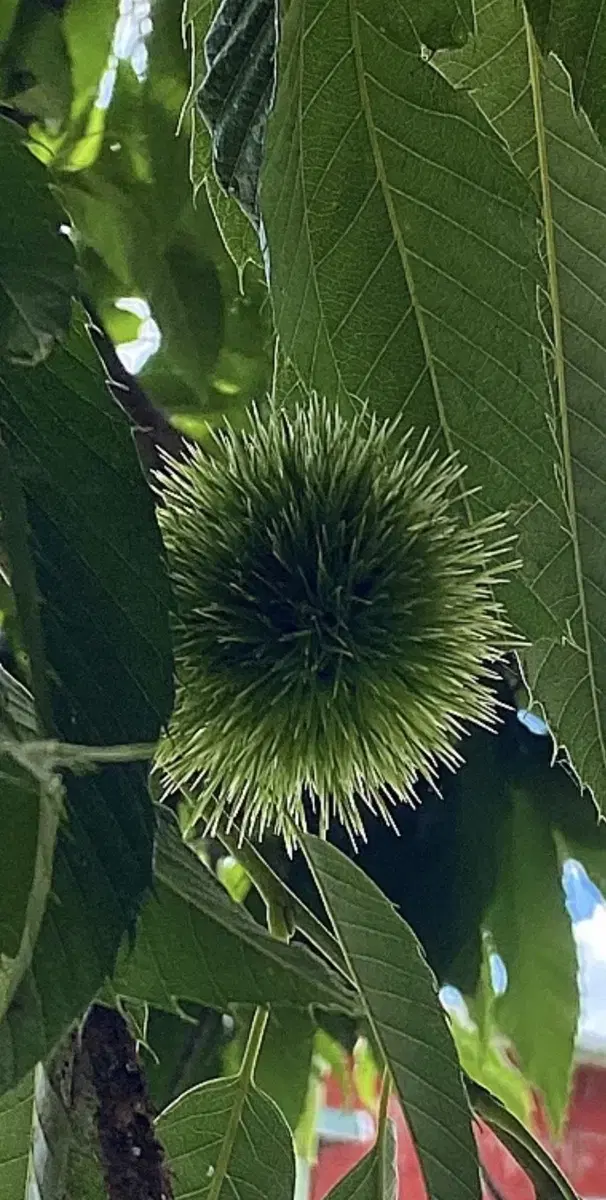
<point>347,1132</point>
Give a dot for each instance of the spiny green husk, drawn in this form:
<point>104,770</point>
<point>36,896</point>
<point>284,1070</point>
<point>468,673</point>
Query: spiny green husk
<point>333,622</point>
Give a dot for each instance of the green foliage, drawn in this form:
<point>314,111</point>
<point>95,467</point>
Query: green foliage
<point>488,1064</point>
<point>181,1051</point>
<point>400,1003</point>
<point>576,31</point>
<point>425,187</point>
<point>375,1177</point>
<point>285,1061</point>
<point>15,1126</point>
<point>540,953</point>
<point>34,67</point>
<point>240,45</point>
<point>195,943</point>
<point>30,806</point>
<point>548,1180</point>
<point>98,570</point>
<point>37,270</point>
<point>209,1134</point>
<point>555,148</point>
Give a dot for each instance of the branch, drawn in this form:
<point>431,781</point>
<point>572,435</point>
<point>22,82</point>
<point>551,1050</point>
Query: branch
<point>153,432</point>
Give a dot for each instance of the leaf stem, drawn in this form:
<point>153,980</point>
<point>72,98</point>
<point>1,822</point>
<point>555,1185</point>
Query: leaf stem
<point>253,1046</point>
<point>278,896</point>
<point>244,1078</point>
<point>384,1102</point>
<point>385,1143</point>
<point>68,754</point>
<point>15,530</point>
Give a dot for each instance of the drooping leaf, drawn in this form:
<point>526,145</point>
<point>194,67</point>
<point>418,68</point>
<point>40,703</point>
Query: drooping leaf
<point>375,1176</point>
<point>533,934</point>
<point>37,266</point>
<point>90,510</point>
<point>400,1002</point>
<point>225,1140</point>
<point>15,1131</point>
<point>240,45</point>
<point>549,1181</point>
<point>531,107</point>
<point>237,230</point>
<point>198,17</point>
<point>575,30</point>
<point>17,714</point>
<point>104,607</point>
<point>195,943</point>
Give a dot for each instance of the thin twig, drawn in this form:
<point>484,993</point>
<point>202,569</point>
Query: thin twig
<point>275,892</point>
<point>153,431</point>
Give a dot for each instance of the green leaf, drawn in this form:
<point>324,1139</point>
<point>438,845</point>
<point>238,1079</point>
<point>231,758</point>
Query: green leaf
<point>37,266</point>
<point>50,1142</point>
<point>227,1141</point>
<point>488,1065</point>
<point>96,548</point>
<point>548,1180</point>
<point>30,807</point>
<point>403,267</point>
<point>195,943</point>
<point>399,997</point>
<point>575,30</point>
<point>198,15</point>
<point>375,1176</point>
<point>182,1051</point>
<point>531,108</point>
<point>443,882</point>
<point>240,46</point>
<point>88,26</point>
<point>35,73</point>
<point>237,231</point>
<point>284,1063</point>
<point>17,715</point>
<point>15,1131</point>
<point>8,13</point>
<point>578,832</point>
<point>104,607</point>
<point>237,86</point>
<point>540,1008</point>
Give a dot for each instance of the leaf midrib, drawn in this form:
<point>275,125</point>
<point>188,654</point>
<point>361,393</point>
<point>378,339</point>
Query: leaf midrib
<point>398,240</point>
<point>372,1021</point>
